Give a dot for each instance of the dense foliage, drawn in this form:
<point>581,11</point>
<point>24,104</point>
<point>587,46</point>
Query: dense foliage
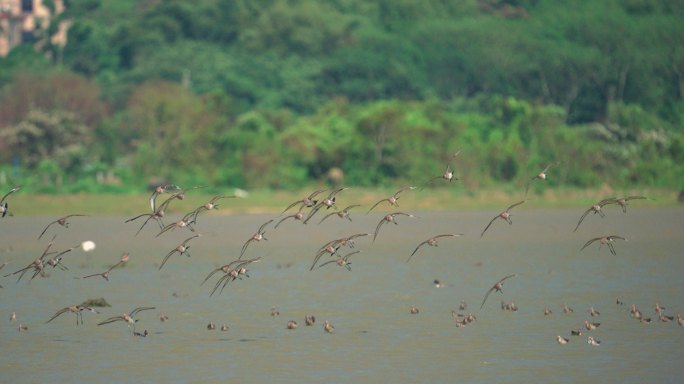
<point>277,93</point>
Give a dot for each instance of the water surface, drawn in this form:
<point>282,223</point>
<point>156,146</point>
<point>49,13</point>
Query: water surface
<point>375,337</point>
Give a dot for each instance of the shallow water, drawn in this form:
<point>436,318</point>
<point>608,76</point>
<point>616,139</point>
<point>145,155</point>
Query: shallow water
<point>375,337</point>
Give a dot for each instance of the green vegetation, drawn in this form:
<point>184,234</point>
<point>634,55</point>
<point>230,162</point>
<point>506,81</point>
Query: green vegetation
<point>282,94</point>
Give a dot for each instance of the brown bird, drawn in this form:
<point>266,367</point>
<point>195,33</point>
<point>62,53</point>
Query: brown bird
<point>562,340</point>
<point>56,261</point>
<point>224,268</point>
<point>4,207</point>
<point>129,318</point>
<point>297,216</point>
<point>233,274</point>
<point>328,202</point>
<point>596,208</point>
<point>307,201</point>
<point>75,309</point>
<point>328,327</point>
<point>182,249</point>
<point>392,200</point>
<point>505,215</point>
<point>291,324</point>
<point>342,214</point>
<point>258,236</point>
<point>342,261</point>
<point>448,174</point>
<point>496,287</point>
<point>540,176</point>
<point>389,218</point>
<point>622,201</point>
<point>592,341</point>
<point>105,275</point>
<point>607,240</point>
<point>311,319</point>
<point>185,222</point>
<point>170,188</point>
<point>210,205</point>
<point>37,265</point>
<point>156,215</point>
<point>432,242</point>
<point>61,221</point>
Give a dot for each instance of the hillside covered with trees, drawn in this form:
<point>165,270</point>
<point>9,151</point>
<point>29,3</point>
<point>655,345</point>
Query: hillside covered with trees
<point>276,93</point>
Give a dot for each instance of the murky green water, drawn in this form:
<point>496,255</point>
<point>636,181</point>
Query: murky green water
<point>375,337</point>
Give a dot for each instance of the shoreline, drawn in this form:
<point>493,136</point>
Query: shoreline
<point>273,202</point>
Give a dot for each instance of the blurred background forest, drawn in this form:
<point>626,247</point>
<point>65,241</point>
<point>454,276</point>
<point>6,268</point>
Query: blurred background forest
<point>277,93</point>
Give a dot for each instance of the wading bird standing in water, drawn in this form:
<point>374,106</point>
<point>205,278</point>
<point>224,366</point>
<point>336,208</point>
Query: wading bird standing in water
<point>497,287</point>
<point>505,215</point>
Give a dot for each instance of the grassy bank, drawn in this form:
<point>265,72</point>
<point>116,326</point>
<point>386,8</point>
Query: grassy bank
<point>266,201</point>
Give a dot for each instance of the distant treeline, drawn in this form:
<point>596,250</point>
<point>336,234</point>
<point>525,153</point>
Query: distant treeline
<point>279,93</point>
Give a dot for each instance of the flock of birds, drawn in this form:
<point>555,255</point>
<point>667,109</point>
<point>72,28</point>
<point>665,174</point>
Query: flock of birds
<point>337,251</point>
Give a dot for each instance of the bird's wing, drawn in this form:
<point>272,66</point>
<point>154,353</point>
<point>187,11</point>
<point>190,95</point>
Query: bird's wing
<point>515,205</point>
<point>589,242</point>
<point>488,225</point>
<point>486,296</point>
<point>57,314</point>
<point>376,204</point>
<point>326,216</point>
<point>582,218</point>
<point>415,250</point>
<point>9,193</point>
<point>133,312</point>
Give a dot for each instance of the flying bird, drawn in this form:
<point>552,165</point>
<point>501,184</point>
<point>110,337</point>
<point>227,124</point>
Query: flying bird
<point>182,249</point>
<point>604,240</point>
<point>622,201</point>
<point>342,261</point>
<point>75,309</point>
<point>342,214</point>
<point>392,200</point>
<point>297,216</point>
<point>540,176</point>
<point>61,221</point>
<point>432,242</point>
<point>328,202</point>
<point>210,205</point>
<point>448,174</point>
<point>307,201</point>
<point>258,236</point>
<point>389,218</point>
<point>129,318</point>
<point>170,188</point>
<point>596,208</point>
<point>4,207</point>
<point>496,287</point>
<point>505,215</point>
